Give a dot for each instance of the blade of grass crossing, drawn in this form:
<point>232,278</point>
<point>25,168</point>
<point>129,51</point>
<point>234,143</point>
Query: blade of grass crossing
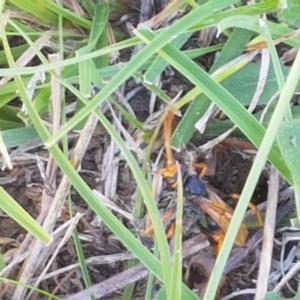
<point>22,217</point>
<point>160,64</point>
<point>129,158</point>
<point>176,276</point>
<point>276,63</point>
<point>99,22</point>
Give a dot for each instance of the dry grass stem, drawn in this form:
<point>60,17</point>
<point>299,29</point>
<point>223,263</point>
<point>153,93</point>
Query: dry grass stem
<point>54,212</point>
<point>268,238</point>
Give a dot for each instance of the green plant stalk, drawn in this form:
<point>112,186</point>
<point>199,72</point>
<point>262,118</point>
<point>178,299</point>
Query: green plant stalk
<point>176,276</point>
<point>150,280</point>
<point>76,240</point>
<point>139,203</point>
<point>253,177</point>
<point>192,3</point>
<point>2,262</point>
<point>22,217</point>
<point>129,289</point>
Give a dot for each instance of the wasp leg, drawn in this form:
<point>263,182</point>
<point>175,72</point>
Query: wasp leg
<point>236,196</point>
<point>170,231</point>
<point>218,239</point>
<point>149,227</point>
<point>167,129</point>
<point>202,167</point>
<point>222,214</point>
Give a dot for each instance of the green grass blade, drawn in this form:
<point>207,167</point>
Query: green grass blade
<point>98,25</point>
<point>30,287</point>
<point>176,276</point>
<point>256,9</point>
<point>276,62</point>
<point>160,64</point>
<point>16,212</point>
<point>37,9</point>
<point>260,26</point>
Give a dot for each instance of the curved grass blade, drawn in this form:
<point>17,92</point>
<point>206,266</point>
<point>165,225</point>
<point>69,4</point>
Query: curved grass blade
<point>18,213</point>
<point>176,276</point>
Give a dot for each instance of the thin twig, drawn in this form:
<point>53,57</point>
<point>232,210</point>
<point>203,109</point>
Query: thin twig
<point>295,269</point>
<point>269,229</point>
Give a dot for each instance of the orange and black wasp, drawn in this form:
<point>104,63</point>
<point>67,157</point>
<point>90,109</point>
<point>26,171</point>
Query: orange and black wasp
<point>207,200</point>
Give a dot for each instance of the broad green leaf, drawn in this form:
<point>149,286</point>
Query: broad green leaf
<point>290,14</point>
<point>272,296</point>
<point>19,136</point>
<point>289,143</point>
<point>242,86</point>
